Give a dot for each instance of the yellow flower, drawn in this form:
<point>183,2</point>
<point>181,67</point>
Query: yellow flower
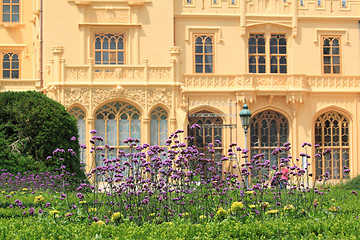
<point>221,213</point>
<point>249,192</point>
<point>39,199</point>
<point>202,217</point>
<point>116,216</point>
<point>186,214</point>
<point>288,207</point>
<point>100,222</point>
<point>24,189</point>
<point>11,192</point>
<point>264,204</point>
<point>315,201</point>
<point>333,200</point>
<point>92,210</point>
<point>82,202</point>
<point>271,212</point>
<point>252,206</point>
<point>2,191</point>
<point>237,207</point>
<point>52,212</point>
<point>333,208</point>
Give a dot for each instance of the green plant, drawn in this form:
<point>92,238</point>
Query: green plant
<point>32,126</point>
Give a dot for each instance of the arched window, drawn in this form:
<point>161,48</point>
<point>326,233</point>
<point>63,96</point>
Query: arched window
<point>211,129</point>
<point>268,130</point>
<point>158,127</point>
<point>115,122</point>
<point>11,65</point>
<point>332,132</point>
<point>80,117</point>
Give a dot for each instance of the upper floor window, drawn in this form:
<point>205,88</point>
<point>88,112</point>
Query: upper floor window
<point>11,10</point>
<point>278,58</point>
<point>261,54</point>
<point>232,2</point>
<point>331,59</point>
<point>204,53</point>
<point>257,53</point>
<point>11,65</point>
<point>109,48</point>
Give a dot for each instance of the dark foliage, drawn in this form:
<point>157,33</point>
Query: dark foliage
<point>32,126</point>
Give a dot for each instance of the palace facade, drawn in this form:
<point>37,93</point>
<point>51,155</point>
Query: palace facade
<point>145,68</point>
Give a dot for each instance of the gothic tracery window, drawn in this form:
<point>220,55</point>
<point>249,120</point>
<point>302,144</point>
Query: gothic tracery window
<point>158,127</point>
<point>268,131</point>
<point>109,48</point>
<point>115,122</point>
<point>210,132</point>
<point>332,132</point>
<point>79,114</point>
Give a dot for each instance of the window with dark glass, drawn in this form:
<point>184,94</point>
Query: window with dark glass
<point>268,131</point>
<point>109,48</point>
<point>332,132</point>
<point>257,53</point>
<point>278,58</point>
<point>331,54</point>
<point>204,53</point>
<point>11,65</point>
<point>210,131</point>
<point>10,10</point>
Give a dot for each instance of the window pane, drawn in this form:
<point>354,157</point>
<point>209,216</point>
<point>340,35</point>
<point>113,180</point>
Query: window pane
<point>283,69</point>
<point>6,74</point>
<point>282,50</point>
<point>208,69</point>
<point>15,9</point>
<point>252,68</point>
<point>327,60</point>
<point>6,65</point>
<point>6,17</point>
<point>15,65</point>
<point>335,50</point>
<point>208,58</point>
<point>326,51</point>
<point>261,49</point>
<point>336,60</point>
<point>208,49</point>
<point>199,68</point>
<point>6,8</point>
<point>198,49</point>
<point>120,58</point>
<point>97,57</point>
<point>336,69</point>
<point>105,57</point>
<point>274,69</point>
<point>327,69</point>
<point>261,68</point>
<point>198,59</point>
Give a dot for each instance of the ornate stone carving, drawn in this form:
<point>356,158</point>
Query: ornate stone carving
<point>157,74</point>
<point>58,50</point>
<point>76,95</point>
<point>75,74</point>
<point>110,16</point>
<point>132,73</point>
<point>101,95</point>
<point>175,50</point>
<point>159,95</point>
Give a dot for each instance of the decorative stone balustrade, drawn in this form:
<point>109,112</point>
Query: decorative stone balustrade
<point>268,82</point>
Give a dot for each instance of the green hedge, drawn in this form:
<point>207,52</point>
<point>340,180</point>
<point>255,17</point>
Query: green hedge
<point>32,126</point>
<point>33,228</point>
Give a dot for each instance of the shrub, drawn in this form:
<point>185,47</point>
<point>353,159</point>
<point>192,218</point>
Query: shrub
<point>32,126</point>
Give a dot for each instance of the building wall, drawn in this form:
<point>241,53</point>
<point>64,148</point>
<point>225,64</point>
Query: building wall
<point>159,66</point>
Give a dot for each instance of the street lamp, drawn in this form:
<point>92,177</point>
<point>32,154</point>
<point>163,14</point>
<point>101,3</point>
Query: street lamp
<point>245,117</point>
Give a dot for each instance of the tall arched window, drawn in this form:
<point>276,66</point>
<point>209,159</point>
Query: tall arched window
<point>80,117</point>
<point>115,122</point>
<point>332,132</point>
<point>268,130</point>
<point>211,129</point>
<point>158,127</point>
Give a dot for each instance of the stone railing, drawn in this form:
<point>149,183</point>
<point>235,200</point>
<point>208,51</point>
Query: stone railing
<point>125,74</point>
<point>19,84</point>
<point>271,82</point>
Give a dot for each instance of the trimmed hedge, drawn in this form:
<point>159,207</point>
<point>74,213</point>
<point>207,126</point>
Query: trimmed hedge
<point>32,126</point>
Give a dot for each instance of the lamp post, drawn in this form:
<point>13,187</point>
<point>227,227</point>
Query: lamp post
<point>245,117</point>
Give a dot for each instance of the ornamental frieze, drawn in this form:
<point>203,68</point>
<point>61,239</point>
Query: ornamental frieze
<point>76,95</point>
<point>159,95</point>
<point>99,96</point>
